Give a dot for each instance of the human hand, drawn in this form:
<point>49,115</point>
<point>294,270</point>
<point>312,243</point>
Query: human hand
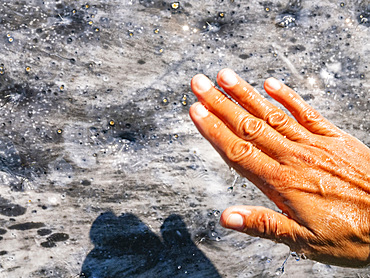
<point>318,175</point>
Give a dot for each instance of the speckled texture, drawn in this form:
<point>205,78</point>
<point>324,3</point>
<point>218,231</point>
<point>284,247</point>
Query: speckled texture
<point>102,173</point>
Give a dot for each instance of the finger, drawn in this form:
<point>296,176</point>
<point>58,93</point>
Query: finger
<point>257,105</point>
<point>264,223</point>
<point>239,154</point>
<point>304,113</point>
<point>243,124</point>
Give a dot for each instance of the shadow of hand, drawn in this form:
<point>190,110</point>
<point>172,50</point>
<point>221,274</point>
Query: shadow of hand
<point>126,247</point>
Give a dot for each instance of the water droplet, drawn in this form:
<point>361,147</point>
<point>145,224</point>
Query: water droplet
<point>184,100</point>
<point>165,101</point>
<point>216,213</point>
<point>295,256</point>
<point>286,21</point>
<point>10,38</point>
<point>175,5</point>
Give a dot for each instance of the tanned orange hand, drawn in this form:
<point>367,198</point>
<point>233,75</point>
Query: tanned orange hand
<point>318,175</point>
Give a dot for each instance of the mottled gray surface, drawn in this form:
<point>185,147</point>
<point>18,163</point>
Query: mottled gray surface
<point>101,169</point>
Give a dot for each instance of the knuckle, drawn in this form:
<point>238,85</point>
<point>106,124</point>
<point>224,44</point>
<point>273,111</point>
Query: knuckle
<point>310,116</point>
<point>308,155</point>
<point>238,151</point>
<point>277,118</point>
<point>218,100</point>
<point>250,128</point>
<point>266,225</point>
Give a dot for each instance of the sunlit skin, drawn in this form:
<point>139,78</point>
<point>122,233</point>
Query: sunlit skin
<point>318,175</point>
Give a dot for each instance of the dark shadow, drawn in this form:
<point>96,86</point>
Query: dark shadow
<point>126,247</point>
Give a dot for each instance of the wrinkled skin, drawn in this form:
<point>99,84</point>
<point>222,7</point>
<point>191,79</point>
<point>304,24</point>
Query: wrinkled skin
<point>318,175</point>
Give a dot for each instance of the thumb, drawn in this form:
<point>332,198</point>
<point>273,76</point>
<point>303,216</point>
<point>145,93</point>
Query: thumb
<point>262,222</point>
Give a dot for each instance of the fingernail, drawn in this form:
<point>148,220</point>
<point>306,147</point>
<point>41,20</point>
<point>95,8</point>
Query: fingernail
<point>201,111</point>
<point>273,84</point>
<point>202,84</point>
<point>235,221</point>
<point>228,78</point>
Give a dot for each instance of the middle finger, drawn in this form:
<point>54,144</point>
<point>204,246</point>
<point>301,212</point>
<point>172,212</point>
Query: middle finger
<point>242,123</point>
<point>249,98</point>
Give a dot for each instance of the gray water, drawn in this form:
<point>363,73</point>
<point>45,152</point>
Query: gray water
<point>102,172</point>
